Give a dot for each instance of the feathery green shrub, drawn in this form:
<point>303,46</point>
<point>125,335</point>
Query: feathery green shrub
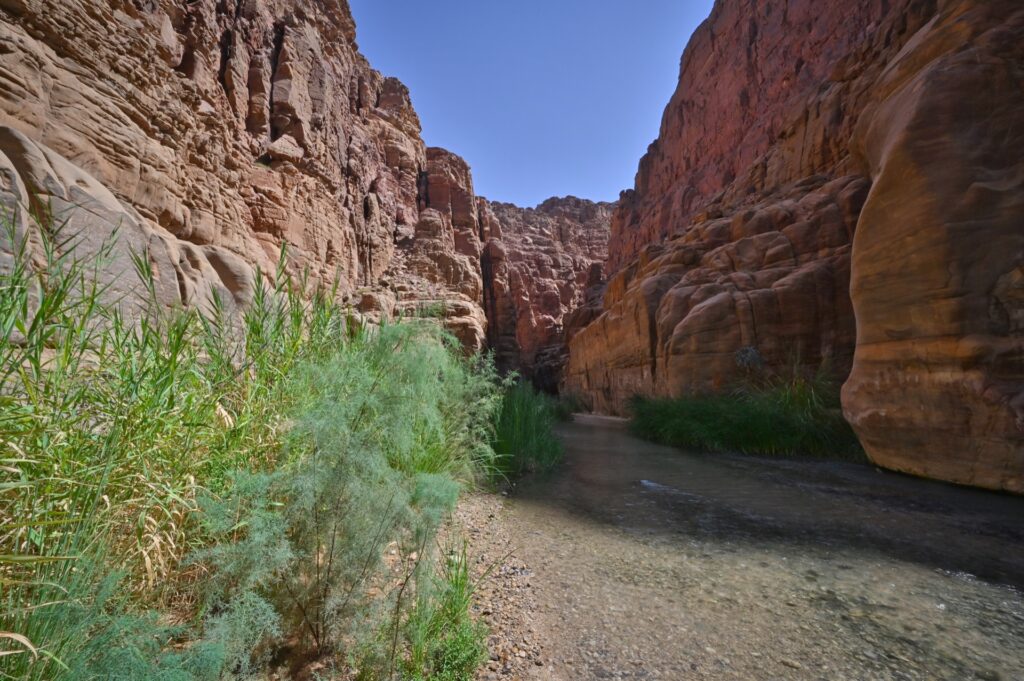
<point>187,495</point>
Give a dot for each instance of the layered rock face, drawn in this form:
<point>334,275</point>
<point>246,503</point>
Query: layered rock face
<point>764,99</point>
<point>239,126</point>
<point>436,270</point>
<point>537,265</point>
<point>212,135</point>
<point>767,281</point>
<point>937,387</point>
<point>809,153</point>
<point>736,240</point>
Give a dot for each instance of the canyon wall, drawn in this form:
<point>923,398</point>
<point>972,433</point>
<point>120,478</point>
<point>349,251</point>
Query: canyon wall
<point>211,136</point>
<point>839,188</point>
<point>222,128</point>
<point>937,387</point>
<point>813,152</point>
<point>538,264</point>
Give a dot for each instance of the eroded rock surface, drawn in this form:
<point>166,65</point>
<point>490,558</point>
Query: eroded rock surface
<point>244,126</point>
<point>88,218</point>
<point>738,234</point>
<point>809,152</point>
<point>765,95</point>
<point>212,135</point>
<point>937,387</point>
<point>436,270</point>
<point>537,264</point>
<point>770,278</point>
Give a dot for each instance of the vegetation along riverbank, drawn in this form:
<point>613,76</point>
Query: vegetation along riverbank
<point>192,495</point>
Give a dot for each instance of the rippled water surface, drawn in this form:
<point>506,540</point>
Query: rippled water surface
<point>656,563</point>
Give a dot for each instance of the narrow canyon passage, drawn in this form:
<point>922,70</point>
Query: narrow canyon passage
<point>644,562</point>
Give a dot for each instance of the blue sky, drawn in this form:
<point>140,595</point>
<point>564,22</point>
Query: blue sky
<point>541,97</point>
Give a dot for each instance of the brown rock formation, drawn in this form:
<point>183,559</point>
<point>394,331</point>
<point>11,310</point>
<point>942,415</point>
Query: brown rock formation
<point>771,275</point>
<point>85,211</point>
<point>737,235</point>
<point>241,125</point>
<point>537,264</point>
<point>437,268</point>
<point>764,99</point>
<point>937,387</point>
<point>214,133</point>
<point>790,118</point>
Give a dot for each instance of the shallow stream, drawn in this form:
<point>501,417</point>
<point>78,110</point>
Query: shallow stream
<point>651,563</point>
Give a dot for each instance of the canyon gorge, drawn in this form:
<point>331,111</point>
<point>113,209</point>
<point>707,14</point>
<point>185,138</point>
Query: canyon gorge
<point>838,187</point>
<point>833,186</point>
<point>211,136</point>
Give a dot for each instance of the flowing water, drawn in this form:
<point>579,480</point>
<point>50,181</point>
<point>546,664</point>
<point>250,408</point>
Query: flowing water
<point>651,563</point>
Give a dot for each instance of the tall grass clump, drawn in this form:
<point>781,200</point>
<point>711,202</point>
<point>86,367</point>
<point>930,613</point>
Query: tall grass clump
<point>437,640</point>
<point>192,494</point>
<point>567,405</point>
<point>524,439</point>
<point>791,416</point>
<point>445,643</point>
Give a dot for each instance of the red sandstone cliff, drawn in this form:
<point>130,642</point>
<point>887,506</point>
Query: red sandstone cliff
<point>537,265</point>
<point>813,151</point>
<point>809,152</point>
<point>221,128</point>
<point>212,134</point>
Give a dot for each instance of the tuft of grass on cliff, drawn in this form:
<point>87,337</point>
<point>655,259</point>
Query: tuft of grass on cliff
<point>792,416</point>
<point>189,495</point>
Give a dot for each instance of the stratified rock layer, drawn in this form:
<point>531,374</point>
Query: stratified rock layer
<point>244,126</point>
<point>937,387</point>
<point>814,150</point>
<point>770,277</point>
<point>765,94</point>
<point>736,240</point>
<point>214,135</point>
<point>436,270</point>
<point>537,265</point>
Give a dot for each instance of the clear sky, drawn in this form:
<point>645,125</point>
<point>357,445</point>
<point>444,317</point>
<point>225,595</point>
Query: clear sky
<point>542,97</point>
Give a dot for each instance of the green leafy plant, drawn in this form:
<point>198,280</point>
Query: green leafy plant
<point>567,405</point>
<point>437,639</point>
<point>793,416</point>
<point>445,643</point>
<point>524,438</point>
<point>238,473</point>
<point>431,310</point>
